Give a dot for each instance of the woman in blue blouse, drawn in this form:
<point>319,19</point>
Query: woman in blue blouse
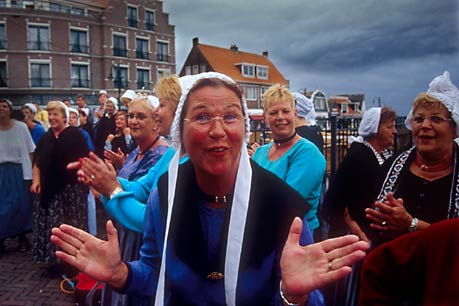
<point>295,160</point>
<point>217,230</point>
<point>150,148</point>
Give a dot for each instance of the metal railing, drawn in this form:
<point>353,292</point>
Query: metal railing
<point>336,132</point>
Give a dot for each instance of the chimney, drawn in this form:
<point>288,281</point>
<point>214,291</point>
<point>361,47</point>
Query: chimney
<point>234,47</point>
<point>265,53</point>
<point>195,41</point>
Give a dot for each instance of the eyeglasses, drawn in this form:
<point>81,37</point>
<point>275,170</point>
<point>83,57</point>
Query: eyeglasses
<point>206,120</point>
<point>434,119</point>
<point>138,116</point>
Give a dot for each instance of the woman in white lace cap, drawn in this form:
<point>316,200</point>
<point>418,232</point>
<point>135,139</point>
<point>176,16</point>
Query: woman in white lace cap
<point>305,121</point>
<point>357,180</point>
<point>421,186</point>
<point>217,228</point>
<point>355,186</point>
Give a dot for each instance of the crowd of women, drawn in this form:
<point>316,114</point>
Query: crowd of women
<point>199,217</point>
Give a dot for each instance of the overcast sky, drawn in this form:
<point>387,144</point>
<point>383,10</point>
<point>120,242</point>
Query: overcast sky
<point>389,49</point>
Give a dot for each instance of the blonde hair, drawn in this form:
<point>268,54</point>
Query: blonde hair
<point>169,87</point>
<point>277,92</point>
<point>58,105</point>
<point>428,101</point>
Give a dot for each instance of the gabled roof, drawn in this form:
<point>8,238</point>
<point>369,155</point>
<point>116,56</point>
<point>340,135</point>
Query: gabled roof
<point>355,97</point>
<point>228,61</point>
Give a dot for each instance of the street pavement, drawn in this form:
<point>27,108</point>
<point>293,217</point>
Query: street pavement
<point>26,283</point>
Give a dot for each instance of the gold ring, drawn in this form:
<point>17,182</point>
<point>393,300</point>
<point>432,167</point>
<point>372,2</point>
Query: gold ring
<point>384,223</point>
<point>330,265</point>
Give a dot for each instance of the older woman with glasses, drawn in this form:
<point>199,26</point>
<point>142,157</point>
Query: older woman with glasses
<point>150,148</point>
<point>219,230</point>
<point>421,185</point>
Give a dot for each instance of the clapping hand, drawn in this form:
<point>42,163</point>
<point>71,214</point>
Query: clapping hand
<point>389,217</point>
<point>98,174</point>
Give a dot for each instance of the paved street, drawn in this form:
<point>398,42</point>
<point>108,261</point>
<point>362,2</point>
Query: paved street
<point>25,283</point>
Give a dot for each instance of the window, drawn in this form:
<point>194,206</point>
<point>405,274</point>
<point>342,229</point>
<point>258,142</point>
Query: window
<point>120,77</point>
<point>195,69</point>
<point>162,51</point>
<point>251,92</point>
<point>78,41</point>
<point>248,70</point>
<point>77,11</point>
<point>3,75</point>
<point>150,20</point>
<point>203,67</point>
<point>187,70</point>
<point>142,48</point>
<point>263,90</point>
<point>132,16</point>
<point>162,73</point>
<point>80,76</point>
<point>262,72</point>
<point>143,79</point>
<point>56,7</point>
<point>2,37</point>
<point>38,37</point>
<point>119,46</point>
<point>40,75</point>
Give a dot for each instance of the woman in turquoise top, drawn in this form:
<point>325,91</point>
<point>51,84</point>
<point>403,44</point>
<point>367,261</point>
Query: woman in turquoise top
<point>295,160</point>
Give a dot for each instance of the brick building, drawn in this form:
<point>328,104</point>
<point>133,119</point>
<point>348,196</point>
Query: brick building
<point>255,73</point>
<point>56,49</point>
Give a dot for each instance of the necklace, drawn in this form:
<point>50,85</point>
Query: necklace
<point>436,168</point>
<point>377,155</point>
<point>141,153</point>
<point>279,142</point>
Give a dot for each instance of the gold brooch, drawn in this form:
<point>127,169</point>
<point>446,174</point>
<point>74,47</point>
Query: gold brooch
<point>215,276</point>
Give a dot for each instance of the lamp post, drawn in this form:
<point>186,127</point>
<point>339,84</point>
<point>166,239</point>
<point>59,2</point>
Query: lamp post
<point>117,78</point>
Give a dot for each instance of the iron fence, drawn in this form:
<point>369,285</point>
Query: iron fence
<point>336,132</point>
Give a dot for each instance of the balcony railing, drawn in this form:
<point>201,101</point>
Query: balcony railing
<point>38,45</point>
<point>40,82</point>
<point>142,54</point>
<point>79,48</point>
<point>3,82</point>
<point>150,26</point>
<point>122,84</point>
<point>162,57</point>
<point>132,22</point>
<point>80,83</point>
<point>119,52</point>
<point>143,85</point>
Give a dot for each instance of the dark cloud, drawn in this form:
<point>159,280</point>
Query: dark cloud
<point>389,49</point>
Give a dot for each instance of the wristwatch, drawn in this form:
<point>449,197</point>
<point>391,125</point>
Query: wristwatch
<point>414,225</point>
<point>115,191</point>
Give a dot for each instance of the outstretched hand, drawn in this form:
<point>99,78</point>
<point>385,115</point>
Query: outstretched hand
<point>98,258</point>
<point>306,268</point>
<point>96,173</point>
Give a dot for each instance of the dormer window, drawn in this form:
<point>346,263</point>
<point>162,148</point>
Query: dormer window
<point>262,72</point>
<point>248,70</point>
